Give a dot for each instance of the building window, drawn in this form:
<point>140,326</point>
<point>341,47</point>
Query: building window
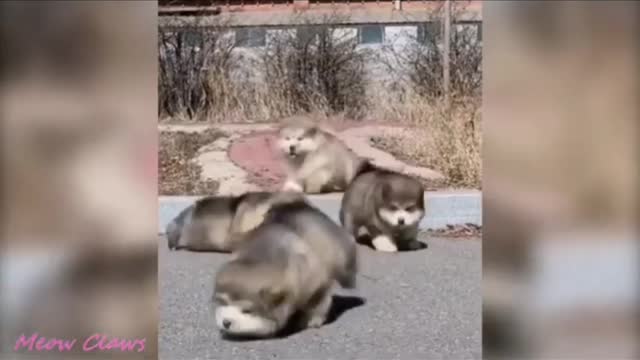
<point>309,34</point>
<point>429,33</point>
<point>190,38</point>
<point>469,31</point>
<point>371,34</point>
<point>251,37</point>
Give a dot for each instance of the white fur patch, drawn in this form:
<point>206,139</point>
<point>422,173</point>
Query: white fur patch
<point>384,243</point>
<point>312,165</point>
<point>241,323</point>
<point>308,145</point>
<point>393,217</point>
<point>291,185</point>
<point>317,181</point>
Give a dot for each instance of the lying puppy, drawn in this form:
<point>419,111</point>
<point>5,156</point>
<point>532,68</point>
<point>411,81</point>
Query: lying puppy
<point>218,223</point>
<point>286,266</point>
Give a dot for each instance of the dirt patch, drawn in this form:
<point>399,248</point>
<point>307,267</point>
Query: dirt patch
<point>456,231</point>
<point>258,156</point>
<point>178,173</point>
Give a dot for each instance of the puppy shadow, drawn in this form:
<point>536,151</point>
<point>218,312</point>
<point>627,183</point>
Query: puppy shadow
<point>417,245</point>
<point>339,305</point>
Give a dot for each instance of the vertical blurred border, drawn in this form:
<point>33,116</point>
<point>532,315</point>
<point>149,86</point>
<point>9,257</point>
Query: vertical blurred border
<point>560,165</point>
<point>78,95</point>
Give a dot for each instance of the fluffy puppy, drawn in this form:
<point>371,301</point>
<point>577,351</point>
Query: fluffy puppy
<point>317,161</point>
<point>218,223</point>
<point>385,208</point>
<point>287,266</point>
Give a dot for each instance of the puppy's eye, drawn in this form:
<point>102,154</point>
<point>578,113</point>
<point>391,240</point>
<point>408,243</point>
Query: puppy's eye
<point>299,139</point>
<point>411,208</point>
<point>246,311</point>
<point>393,207</point>
<point>287,138</point>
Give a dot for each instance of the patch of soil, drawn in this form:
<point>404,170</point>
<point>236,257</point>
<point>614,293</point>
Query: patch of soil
<point>457,231</point>
<point>178,173</point>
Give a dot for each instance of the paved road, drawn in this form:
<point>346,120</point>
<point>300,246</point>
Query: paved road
<point>419,305</point>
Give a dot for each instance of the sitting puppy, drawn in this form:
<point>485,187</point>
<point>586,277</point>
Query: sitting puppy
<point>386,208</point>
<point>218,223</point>
<point>317,161</point>
<point>286,267</point>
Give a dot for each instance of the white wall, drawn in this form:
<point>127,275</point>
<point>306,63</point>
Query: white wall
<point>345,33</point>
<point>400,36</point>
<point>396,38</point>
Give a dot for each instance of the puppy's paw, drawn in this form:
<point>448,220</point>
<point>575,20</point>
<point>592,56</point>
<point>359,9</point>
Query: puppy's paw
<point>384,243</point>
<point>316,321</point>
<point>292,186</point>
<point>362,232</point>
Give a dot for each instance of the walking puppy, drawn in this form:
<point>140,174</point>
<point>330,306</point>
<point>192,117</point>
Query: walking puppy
<point>386,208</point>
<point>317,161</point>
<point>218,223</point>
<point>286,266</point>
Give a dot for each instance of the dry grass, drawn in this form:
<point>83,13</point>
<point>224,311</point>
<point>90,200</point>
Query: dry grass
<point>204,76</point>
<point>451,146</point>
<point>448,143</point>
<point>178,173</point>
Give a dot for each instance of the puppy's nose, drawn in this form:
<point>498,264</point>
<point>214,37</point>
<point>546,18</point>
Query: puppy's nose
<point>292,148</point>
<point>401,221</point>
<point>226,323</point>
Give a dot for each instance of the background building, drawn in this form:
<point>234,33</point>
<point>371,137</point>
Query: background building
<point>373,22</point>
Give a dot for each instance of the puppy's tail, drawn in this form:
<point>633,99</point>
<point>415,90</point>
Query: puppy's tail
<point>173,234</point>
<point>173,231</point>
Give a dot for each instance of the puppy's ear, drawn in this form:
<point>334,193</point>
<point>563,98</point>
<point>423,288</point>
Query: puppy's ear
<point>384,190</point>
<point>220,298</point>
<point>313,130</point>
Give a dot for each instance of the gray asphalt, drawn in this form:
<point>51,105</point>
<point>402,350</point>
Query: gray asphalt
<point>412,305</point>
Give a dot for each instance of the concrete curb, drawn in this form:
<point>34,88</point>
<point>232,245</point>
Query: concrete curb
<point>443,208</point>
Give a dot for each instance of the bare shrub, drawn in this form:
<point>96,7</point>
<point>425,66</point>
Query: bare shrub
<point>317,68</point>
<point>449,142</point>
<point>309,68</point>
<point>418,65</point>
<point>195,67</point>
